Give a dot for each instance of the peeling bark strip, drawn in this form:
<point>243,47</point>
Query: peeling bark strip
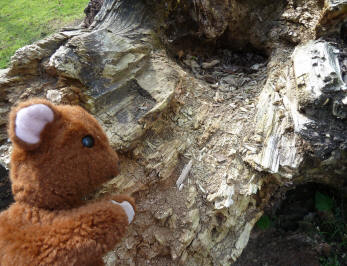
<point>251,124</point>
<point>184,174</point>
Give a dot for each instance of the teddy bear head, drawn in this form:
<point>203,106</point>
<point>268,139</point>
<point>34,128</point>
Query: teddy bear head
<point>60,154</point>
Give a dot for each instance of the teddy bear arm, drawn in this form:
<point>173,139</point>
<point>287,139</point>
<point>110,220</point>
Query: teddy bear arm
<point>99,221</point>
<point>85,233</point>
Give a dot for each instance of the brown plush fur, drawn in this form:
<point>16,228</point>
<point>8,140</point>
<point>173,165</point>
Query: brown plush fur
<point>49,224</point>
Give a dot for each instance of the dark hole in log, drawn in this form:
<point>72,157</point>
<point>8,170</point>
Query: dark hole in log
<point>6,197</point>
<point>343,32</point>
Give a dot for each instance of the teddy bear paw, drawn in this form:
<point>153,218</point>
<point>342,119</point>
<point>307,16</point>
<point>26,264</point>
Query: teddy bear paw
<point>128,208</point>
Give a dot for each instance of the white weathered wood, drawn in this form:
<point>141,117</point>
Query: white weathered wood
<point>184,174</point>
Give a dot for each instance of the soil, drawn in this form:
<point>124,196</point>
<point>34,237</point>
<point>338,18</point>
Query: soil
<point>275,248</point>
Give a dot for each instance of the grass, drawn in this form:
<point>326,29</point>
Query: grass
<point>25,21</point>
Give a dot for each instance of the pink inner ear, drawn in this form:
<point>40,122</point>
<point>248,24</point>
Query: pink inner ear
<point>31,120</point>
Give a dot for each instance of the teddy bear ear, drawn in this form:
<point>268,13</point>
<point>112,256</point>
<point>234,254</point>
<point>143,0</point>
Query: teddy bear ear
<point>28,121</point>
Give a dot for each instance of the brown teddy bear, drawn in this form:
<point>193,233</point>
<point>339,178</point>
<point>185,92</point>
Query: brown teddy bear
<point>60,155</point>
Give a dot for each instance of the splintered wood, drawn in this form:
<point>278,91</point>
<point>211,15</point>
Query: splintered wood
<point>184,174</point>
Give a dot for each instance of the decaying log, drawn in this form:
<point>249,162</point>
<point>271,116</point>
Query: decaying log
<point>249,129</point>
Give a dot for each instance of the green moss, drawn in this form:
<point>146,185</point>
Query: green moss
<point>323,202</point>
<point>23,22</point>
<point>264,222</point>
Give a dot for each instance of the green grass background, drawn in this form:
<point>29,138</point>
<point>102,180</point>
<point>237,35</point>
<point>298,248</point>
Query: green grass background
<point>25,21</point>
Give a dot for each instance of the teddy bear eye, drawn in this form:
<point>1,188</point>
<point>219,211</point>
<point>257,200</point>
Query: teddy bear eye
<point>88,141</point>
